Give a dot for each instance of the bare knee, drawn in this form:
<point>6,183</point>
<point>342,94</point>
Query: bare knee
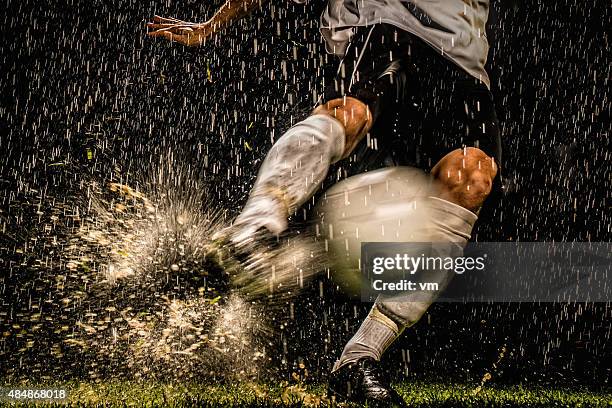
<point>353,114</point>
<point>465,177</point>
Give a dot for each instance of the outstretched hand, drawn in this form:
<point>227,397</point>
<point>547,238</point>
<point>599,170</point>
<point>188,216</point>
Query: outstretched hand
<point>190,34</point>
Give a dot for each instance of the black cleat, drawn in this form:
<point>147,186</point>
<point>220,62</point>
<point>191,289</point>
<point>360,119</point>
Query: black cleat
<point>247,261</point>
<point>363,382</point>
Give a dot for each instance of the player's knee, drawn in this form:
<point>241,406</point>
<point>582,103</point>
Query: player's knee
<point>465,177</point>
<point>354,115</point>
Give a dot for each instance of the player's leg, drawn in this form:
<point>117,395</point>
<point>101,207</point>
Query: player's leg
<point>298,162</point>
<point>464,178</point>
<point>392,314</point>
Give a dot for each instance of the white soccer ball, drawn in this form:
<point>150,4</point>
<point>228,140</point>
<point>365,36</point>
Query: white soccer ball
<point>386,205</point>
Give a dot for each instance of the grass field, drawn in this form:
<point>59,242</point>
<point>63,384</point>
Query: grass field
<point>257,395</point>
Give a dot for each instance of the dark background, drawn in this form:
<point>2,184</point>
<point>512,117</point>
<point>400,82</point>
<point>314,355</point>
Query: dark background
<point>80,76</point>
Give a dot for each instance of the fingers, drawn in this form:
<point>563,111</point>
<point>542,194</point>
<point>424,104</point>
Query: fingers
<point>163,21</point>
<point>158,26</point>
<point>172,20</point>
<point>176,28</point>
<point>183,39</point>
<point>173,32</point>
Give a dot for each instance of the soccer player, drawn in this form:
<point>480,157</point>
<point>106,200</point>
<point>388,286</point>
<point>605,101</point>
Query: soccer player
<point>413,69</point>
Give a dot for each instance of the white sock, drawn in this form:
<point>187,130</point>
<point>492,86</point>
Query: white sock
<point>447,223</point>
<point>291,173</point>
<point>390,315</point>
<point>375,335</point>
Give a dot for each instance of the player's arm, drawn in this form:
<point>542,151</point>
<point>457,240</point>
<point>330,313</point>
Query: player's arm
<point>192,34</point>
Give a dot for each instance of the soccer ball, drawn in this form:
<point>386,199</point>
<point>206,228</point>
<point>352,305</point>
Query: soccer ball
<point>386,205</point>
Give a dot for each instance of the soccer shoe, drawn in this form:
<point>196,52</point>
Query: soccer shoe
<point>261,213</point>
<point>363,382</point>
<point>248,262</point>
<point>242,246</point>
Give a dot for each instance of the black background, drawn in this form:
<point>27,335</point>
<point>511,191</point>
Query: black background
<point>81,75</point>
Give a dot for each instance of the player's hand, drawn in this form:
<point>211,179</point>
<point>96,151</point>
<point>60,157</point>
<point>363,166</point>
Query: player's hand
<point>190,34</point>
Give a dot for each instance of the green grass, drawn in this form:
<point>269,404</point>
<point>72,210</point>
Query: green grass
<point>150,394</point>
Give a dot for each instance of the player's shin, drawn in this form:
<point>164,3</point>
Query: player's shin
<point>376,333</point>
<point>391,314</point>
<point>292,171</point>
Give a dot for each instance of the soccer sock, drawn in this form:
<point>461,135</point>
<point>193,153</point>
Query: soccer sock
<point>391,314</point>
<point>376,333</point>
<point>447,223</point>
<point>292,171</point>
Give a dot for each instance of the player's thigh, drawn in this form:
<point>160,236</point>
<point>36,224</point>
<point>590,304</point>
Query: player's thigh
<point>467,173</point>
<point>459,129</point>
<point>367,81</point>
